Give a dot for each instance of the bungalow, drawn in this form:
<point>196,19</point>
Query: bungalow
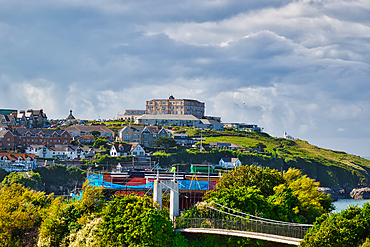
<point>229,162</point>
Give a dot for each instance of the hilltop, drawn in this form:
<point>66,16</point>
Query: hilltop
<point>331,168</point>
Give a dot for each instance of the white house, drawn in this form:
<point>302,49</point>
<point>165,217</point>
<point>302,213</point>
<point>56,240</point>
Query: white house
<point>12,162</point>
<point>64,152</point>
<point>34,149</point>
<point>127,149</point>
<point>229,162</point>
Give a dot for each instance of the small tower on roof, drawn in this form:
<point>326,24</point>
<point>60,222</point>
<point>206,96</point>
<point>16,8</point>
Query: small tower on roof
<point>70,115</point>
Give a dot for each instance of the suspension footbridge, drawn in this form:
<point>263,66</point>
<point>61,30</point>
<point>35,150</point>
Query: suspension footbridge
<point>215,218</point>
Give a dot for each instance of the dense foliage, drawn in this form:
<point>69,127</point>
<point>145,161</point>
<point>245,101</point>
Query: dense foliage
<point>61,175</point>
<point>166,142</point>
<point>133,221</point>
<point>349,228</point>
<point>21,214</point>
<point>265,192</point>
<point>264,178</point>
<point>123,221</point>
<point>30,179</point>
<point>65,218</point>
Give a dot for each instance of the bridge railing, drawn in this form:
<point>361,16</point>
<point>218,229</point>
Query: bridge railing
<point>243,225</point>
<point>217,219</point>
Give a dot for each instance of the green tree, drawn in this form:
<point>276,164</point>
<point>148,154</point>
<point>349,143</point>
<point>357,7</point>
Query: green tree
<point>349,228</point>
<point>245,199</point>
<point>101,142</point>
<point>133,221</point>
<point>3,174</point>
<point>165,142</point>
<point>264,178</point>
<point>30,179</point>
<point>66,218</point>
<point>95,133</point>
<point>312,203</point>
<point>20,214</point>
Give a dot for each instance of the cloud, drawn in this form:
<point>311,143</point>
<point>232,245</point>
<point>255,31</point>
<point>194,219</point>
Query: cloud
<point>297,66</point>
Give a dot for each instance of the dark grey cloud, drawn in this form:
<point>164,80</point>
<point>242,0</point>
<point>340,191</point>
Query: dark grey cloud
<point>297,66</point>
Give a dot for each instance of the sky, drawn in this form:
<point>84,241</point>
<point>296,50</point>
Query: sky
<point>300,67</point>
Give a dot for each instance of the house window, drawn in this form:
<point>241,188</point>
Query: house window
<point>8,139</point>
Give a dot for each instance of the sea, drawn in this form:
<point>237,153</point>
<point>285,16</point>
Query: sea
<point>342,204</point>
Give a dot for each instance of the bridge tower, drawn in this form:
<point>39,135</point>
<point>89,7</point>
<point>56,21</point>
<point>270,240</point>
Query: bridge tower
<point>173,185</point>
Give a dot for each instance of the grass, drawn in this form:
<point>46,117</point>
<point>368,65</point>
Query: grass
<point>333,166</point>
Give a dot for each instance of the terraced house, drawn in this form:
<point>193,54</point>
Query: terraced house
<point>145,135</point>
<point>6,140</point>
<point>30,118</point>
<point>24,137</point>
<point>11,162</point>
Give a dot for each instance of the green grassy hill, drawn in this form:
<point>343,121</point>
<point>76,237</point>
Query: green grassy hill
<point>331,168</point>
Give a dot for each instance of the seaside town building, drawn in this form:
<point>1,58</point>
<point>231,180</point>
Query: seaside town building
<point>145,135</point>
<point>176,106</point>
<point>30,118</point>
<point>81,130</point>
<point>23,137</point>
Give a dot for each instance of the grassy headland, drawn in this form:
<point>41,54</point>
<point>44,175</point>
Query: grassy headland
<point>330,168</point>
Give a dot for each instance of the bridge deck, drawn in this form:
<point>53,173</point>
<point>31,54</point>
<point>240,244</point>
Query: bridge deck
<point>245,234</point>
